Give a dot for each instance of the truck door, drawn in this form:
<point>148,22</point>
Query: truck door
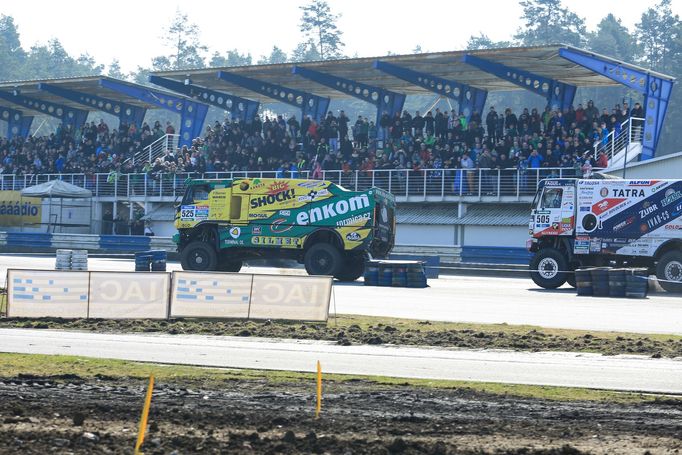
<point>554,211</point>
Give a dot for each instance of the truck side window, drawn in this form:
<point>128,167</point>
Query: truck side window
<point>551,199</point>
<point>236,208</point>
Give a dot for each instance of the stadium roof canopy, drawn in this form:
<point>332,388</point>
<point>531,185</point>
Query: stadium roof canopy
<point>90,85</point>
<point>542,60</point>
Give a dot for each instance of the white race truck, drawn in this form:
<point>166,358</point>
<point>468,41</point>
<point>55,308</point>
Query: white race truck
<point>634,223</point>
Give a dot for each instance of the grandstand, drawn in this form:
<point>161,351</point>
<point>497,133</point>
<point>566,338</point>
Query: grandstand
<point>464,163</point>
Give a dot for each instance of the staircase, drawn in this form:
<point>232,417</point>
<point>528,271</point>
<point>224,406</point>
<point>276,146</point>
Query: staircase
<point>623,144</point>
<point>157,148</point>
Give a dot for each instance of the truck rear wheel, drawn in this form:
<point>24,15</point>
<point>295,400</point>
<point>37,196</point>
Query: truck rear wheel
<point>548,268</point>
<point>322,259</point>
<point>352,269</point>
<point>669,269</point>
<point>199,256</point>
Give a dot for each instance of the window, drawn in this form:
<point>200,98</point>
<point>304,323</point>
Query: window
<point>551,199</point>
<point>195,193</point>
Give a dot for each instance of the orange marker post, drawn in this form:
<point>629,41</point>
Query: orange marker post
<point>318,408</point>
<point>145,415</point>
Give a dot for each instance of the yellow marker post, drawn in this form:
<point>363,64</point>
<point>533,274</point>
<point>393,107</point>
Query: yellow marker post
<point>318,408</point>
<point>145,415</point>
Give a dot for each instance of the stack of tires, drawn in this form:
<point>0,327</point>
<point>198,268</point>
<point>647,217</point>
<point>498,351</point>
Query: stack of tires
<point>612,282</point>
<point>600,281</point>
<point>395,273</point>
<point>617,282</point>
<point>372,273</point>
<point>636,283</point>
<point>71,260</point>
<point>583,281</point>
<point>154,260</point>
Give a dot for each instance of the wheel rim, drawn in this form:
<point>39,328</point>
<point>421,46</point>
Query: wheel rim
<point>673,271</point>
<point>548,268</point>
<point>322,261</point>
<point>200,259</point>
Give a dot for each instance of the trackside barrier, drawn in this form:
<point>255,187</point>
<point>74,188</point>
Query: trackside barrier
<point>495,255</point>
<point>129,295</point>
<point>249,296</point>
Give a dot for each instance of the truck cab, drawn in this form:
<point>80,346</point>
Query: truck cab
<point>552,211</point>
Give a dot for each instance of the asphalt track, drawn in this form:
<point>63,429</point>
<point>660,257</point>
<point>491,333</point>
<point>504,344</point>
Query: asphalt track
<point>540,368</point>
<point>465,299</point>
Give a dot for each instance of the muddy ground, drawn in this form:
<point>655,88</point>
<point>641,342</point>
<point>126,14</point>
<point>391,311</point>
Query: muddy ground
<point>347,334</point>
<point>70,415</point>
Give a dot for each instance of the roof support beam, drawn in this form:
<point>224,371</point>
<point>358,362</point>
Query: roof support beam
<point>559,95</point>
<point>126,113</point>
<point>384,100</point>
<point>240,108</point>
<point>192,113</point>
<point>469,99</point>
<point>75,118</point>
<point>310,104</point>
<point>655,89</point>
<point>18,124</point>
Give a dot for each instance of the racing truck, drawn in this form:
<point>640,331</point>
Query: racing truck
<point>329,229</point>
<point>597,222</point>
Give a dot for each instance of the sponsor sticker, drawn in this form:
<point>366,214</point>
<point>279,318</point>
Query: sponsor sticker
<point>353,237</point>
<point>187,212</point>
<point>279,241</point>
<point>235,232</point>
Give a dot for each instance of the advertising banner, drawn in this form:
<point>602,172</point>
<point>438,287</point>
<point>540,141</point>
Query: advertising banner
<point>16,210</point>
<point>47,293</point>
<point>304,298</point>
<point>128,295</point>
<point>211,295</point>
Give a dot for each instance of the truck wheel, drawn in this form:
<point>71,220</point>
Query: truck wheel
<point>547,268</point>
<point>352,269</point>
<point>230,266</point>
<point>669,268</point>
<point>198,256</point>
<point>322,259</point>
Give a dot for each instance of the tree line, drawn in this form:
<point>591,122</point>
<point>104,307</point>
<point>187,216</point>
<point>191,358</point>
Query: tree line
<point>655,42</point>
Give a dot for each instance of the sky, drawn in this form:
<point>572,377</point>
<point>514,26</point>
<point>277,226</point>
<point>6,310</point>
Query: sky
<point>131,31</point>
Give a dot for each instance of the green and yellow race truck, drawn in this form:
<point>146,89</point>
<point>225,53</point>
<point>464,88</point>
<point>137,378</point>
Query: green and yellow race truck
<point>329,229</point>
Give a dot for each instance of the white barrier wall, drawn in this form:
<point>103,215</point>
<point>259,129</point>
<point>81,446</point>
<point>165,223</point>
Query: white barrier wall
<point>211,295</point>
<point>45,293</point>
<point>128,295</point>
<point>238,295</point>
<point>300,297</point>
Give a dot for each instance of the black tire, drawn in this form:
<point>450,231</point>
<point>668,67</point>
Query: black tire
<point>548,268</point>
<point>230,266</point>
<point>322,259</point>
<point>352,269</point>
<point>570,279</point>
<point>199,256</point>
<point>669,268</point>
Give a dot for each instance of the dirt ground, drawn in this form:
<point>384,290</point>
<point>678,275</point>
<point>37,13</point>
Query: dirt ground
<point>68,414</point>
<point>423,333</point>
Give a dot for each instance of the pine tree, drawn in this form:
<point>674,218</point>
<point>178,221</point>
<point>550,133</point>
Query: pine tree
<point>318,25</point>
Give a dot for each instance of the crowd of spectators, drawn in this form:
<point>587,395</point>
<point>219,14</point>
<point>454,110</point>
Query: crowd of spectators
<point>437,140</point>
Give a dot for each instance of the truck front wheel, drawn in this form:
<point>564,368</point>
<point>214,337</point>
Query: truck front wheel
<point>322,259</point>
<point>669,270</point>
<point>548,268</point>
<point>199,256</point>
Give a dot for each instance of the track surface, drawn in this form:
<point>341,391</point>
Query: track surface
<point>466,299</point>
<point>542,368</point>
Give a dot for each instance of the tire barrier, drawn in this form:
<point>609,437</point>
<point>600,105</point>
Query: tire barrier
<point>583,281</point>
<point>154,260</point>
<point>408,274</point>
<point>636,283</point>
<point>600,281</point>
<point>617,283</point>
<point>612,282</point>
<point>71,260</point>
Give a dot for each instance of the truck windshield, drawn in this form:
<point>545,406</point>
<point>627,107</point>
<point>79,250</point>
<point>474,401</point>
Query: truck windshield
<point>551,198</point>
<point>195,193</point>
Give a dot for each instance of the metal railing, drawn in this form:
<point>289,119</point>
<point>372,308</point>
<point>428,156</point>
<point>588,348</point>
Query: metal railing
<point>157,148</point>
<point>406,184</point>
<point>631,130</point>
